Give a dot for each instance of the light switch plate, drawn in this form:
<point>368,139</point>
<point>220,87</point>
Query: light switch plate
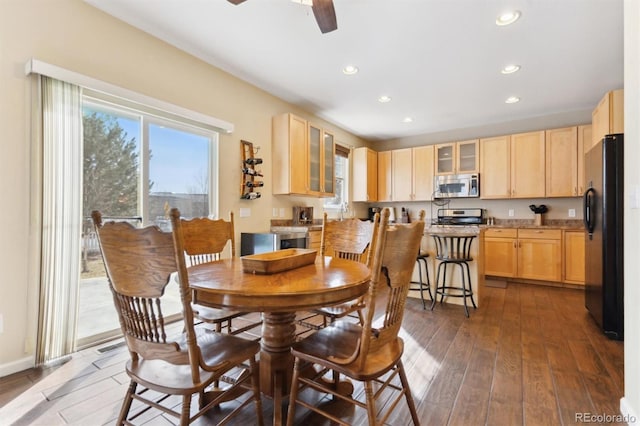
<point>245,212</point>
<point>281,211</point>
<point>1,324</point>
<point>274,213</point>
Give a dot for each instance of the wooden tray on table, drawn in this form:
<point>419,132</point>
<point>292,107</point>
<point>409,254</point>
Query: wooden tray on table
<point>277,261</point>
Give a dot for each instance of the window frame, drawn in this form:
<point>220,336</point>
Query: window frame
<point>146,118</point>
<point>339,152</point>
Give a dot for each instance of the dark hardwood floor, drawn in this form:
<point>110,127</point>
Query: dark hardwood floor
<point>529,355</point>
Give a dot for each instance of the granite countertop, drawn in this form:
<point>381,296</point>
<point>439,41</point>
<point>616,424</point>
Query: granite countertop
<point>565,224</point>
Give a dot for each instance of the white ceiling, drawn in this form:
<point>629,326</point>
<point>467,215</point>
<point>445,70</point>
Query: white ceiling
<point>439,60</point>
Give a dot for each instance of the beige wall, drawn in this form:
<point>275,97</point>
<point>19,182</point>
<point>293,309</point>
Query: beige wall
<point>630,404</point>
<point>75,36</point>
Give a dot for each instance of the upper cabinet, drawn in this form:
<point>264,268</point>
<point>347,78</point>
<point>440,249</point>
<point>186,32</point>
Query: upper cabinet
<point>384,176</point>
<point>585,141</point>
<point>303,157</point>
<point>562,162</point>
<point>527,165</point>
<point>608,117</point>
<point>411,174</point>
<point>456,157</point>
<point>365,174</point>
<point>513,166</point>
<point>495,167</point>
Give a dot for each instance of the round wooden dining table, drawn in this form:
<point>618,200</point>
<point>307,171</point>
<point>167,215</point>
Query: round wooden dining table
<point>327,281</point>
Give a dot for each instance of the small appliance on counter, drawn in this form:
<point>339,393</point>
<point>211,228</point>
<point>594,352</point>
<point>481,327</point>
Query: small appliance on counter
<point>302,215</point>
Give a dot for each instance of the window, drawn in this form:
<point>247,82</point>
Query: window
<point>341,198</point>
<point>138,164</point>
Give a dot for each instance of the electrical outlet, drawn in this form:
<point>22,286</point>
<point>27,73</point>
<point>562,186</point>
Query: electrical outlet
<point>572,212</point>
<point>1,324</point>
<point>274,213</point>
<point>281,211</point>
<point>245,212</point>
<point>512,212</point>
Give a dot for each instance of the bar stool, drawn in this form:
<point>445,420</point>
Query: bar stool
<point>421,285</point>
<point>454,249</point>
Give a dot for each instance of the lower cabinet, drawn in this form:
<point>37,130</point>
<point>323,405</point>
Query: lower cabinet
<point>540,254</point>
<point>534,254</point>
<point>574,262</point>
<point>501,252</point>
<point>314,240</point>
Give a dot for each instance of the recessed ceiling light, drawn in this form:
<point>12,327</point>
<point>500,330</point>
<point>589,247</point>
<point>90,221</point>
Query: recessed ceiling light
<point>510,69</point>
<point>507,18</point>
<point>384,99</point>
<point>407,120</point>
<point>512,100</point>
<point>350,70</point>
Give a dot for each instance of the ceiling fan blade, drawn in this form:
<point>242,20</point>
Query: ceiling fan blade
<point>325,15</point>
<point>236,2</point>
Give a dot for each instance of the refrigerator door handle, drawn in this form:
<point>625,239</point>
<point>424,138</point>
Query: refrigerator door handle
<point>588,210</point>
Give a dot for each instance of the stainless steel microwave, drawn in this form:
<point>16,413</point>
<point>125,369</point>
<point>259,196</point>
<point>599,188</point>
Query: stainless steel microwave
<point>457,186</point>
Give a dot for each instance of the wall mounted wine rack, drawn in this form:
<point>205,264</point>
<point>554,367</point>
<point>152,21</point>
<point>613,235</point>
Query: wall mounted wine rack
<point>251,176</point>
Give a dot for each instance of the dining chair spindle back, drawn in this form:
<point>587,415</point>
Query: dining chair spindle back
<point>371,352</point>
<point>204,241</point>
<point>140,264</point>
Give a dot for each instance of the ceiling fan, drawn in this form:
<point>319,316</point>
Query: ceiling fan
<point>323,10</point>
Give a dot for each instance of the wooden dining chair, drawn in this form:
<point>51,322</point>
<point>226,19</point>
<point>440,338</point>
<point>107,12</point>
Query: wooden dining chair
<point>371,352</point>
<point>350,239</point>
<point>140,264</point>
<point>204,240</point>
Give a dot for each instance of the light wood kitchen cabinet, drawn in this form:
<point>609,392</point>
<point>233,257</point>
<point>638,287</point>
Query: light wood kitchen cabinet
<point>608,116</point>
<point>561,155</point>
<point>574,260</point>
<point>384,176</point>
<point>528,165</point>
<point>365,174</point>
<point>401,174</point>
<point>585,141</point>
<point>314,239</point>
<point>422,173</point>
<point>290,155</point>
<point>540,254</point>
<point>321,161</point>
<point>523,253</point>
<point>501,252</point>
<point>456,157</point>
<point>412,174</point>
<point>495,169</point>
<point>303,157</point>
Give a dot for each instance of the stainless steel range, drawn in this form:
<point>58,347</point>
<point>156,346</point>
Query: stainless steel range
<point>460,217</point>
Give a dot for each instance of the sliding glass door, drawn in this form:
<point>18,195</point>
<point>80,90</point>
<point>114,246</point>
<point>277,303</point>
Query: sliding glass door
<point>136,168</point>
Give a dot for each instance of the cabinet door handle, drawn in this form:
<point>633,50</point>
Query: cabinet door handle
<point>514,245</point>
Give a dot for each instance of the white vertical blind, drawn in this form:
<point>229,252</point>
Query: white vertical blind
<point>61,218</point>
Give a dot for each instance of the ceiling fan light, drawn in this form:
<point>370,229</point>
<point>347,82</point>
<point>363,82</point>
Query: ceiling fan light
<point>350,70</point>
<point>304,2</point>
<point>510,69</point>
<point>507,18</point>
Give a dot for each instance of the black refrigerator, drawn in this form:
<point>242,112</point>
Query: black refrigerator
<point>603,219</point>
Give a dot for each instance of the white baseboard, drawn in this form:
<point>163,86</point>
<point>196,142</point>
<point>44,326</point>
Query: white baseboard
<point>16,366</point>
<point>628,413</point>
